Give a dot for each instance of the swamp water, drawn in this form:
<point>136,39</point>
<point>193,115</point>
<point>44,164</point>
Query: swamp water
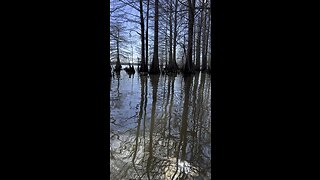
<point>160,127</point>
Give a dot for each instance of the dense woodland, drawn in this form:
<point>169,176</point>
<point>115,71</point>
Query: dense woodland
<point>173,35</point>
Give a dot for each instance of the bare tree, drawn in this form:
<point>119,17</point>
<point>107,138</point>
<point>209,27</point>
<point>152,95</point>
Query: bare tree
<point>172,67</point>
<point>205,38</point>
<point>175,66</point>
<point>166,47</point>
<point>118,44</point>
<point>188,68</point>
<point>143,65</point>
<point>170,36</point>
<point>173,20</point>
<point>147,39</point>
<point>197,67</point>
<point>155,62</point>
<point>209,44</point>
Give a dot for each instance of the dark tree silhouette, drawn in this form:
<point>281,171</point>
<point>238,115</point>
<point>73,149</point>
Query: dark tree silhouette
<point>175,34</point>
<point>143,63</point>
<point>118,44</point>
<point>147,38</point>
<point>155,62</point>
<point>199,28</point>
<point>188,68</point>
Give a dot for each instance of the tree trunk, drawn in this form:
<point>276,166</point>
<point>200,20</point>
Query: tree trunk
<point>188,69</point>
<point>184,52</point>
<point>204,43</point>
<point>197,67</point>
<point>175,66</point>
<point>147,34</point>
<point>143,65</point>
<point>155,63</point>
<point>172,63</point>
<point>166,44</point>
<point>118,64</point>
<point>209,43</point>
<point>194,44</point>
<point>170,37</point>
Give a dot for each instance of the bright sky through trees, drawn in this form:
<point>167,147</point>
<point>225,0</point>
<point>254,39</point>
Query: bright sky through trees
<point>172,39</point>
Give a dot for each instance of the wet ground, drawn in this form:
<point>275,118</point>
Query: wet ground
<point>160,127</point>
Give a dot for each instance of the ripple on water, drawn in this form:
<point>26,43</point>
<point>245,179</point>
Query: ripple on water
<point>140,148</point>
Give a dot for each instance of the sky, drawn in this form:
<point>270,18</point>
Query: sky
<point>135,38</point>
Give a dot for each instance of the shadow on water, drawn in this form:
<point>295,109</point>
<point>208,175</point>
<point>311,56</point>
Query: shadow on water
<point>162,132</point>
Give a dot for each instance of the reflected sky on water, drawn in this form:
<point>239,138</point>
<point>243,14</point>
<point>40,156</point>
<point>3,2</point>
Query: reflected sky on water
<point>160,127</point>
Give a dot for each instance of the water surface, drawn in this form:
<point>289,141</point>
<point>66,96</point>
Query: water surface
<point>160,127</point>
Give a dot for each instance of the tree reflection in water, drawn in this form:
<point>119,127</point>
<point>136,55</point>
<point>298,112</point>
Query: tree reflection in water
<point>169,136</point>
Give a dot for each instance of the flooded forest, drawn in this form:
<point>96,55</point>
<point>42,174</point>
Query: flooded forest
<point>160,90</point>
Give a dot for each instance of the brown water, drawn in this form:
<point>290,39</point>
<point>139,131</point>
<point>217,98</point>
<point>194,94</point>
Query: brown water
<point>160,127</point>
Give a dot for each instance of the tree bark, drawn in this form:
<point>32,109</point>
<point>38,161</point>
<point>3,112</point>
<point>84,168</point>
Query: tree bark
<point>210,61</point>
<point>143,65</point>
<point>194,44</point>
<point>197,67</point>
<point>172,63</point>
<point>118,64</point>
<point>188,69</point>
<point>166,44</point>
<point>170,36</point>
<point>184,52</point>
<point>204,43</point>
<point>175,37</point>
<point>147,34</point>
<point>209,44</point>
<point>155,63</point>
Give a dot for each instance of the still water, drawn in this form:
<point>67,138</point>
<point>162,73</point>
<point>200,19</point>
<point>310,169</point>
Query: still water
<point>160,127</point>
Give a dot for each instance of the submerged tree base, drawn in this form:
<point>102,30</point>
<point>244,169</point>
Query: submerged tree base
<point>130,70</point>
<point>172,74</point>
<point>143,69</point>
<point>143,73</point>
<point>170,71</point>
<point>172,67</point>
<point>154,71</point>
<point>188,71</point>
<point>118,68</point>
<point>207,70</point>
<point>197,68</point>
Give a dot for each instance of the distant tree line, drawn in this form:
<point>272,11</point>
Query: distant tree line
<point>179,36</point>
